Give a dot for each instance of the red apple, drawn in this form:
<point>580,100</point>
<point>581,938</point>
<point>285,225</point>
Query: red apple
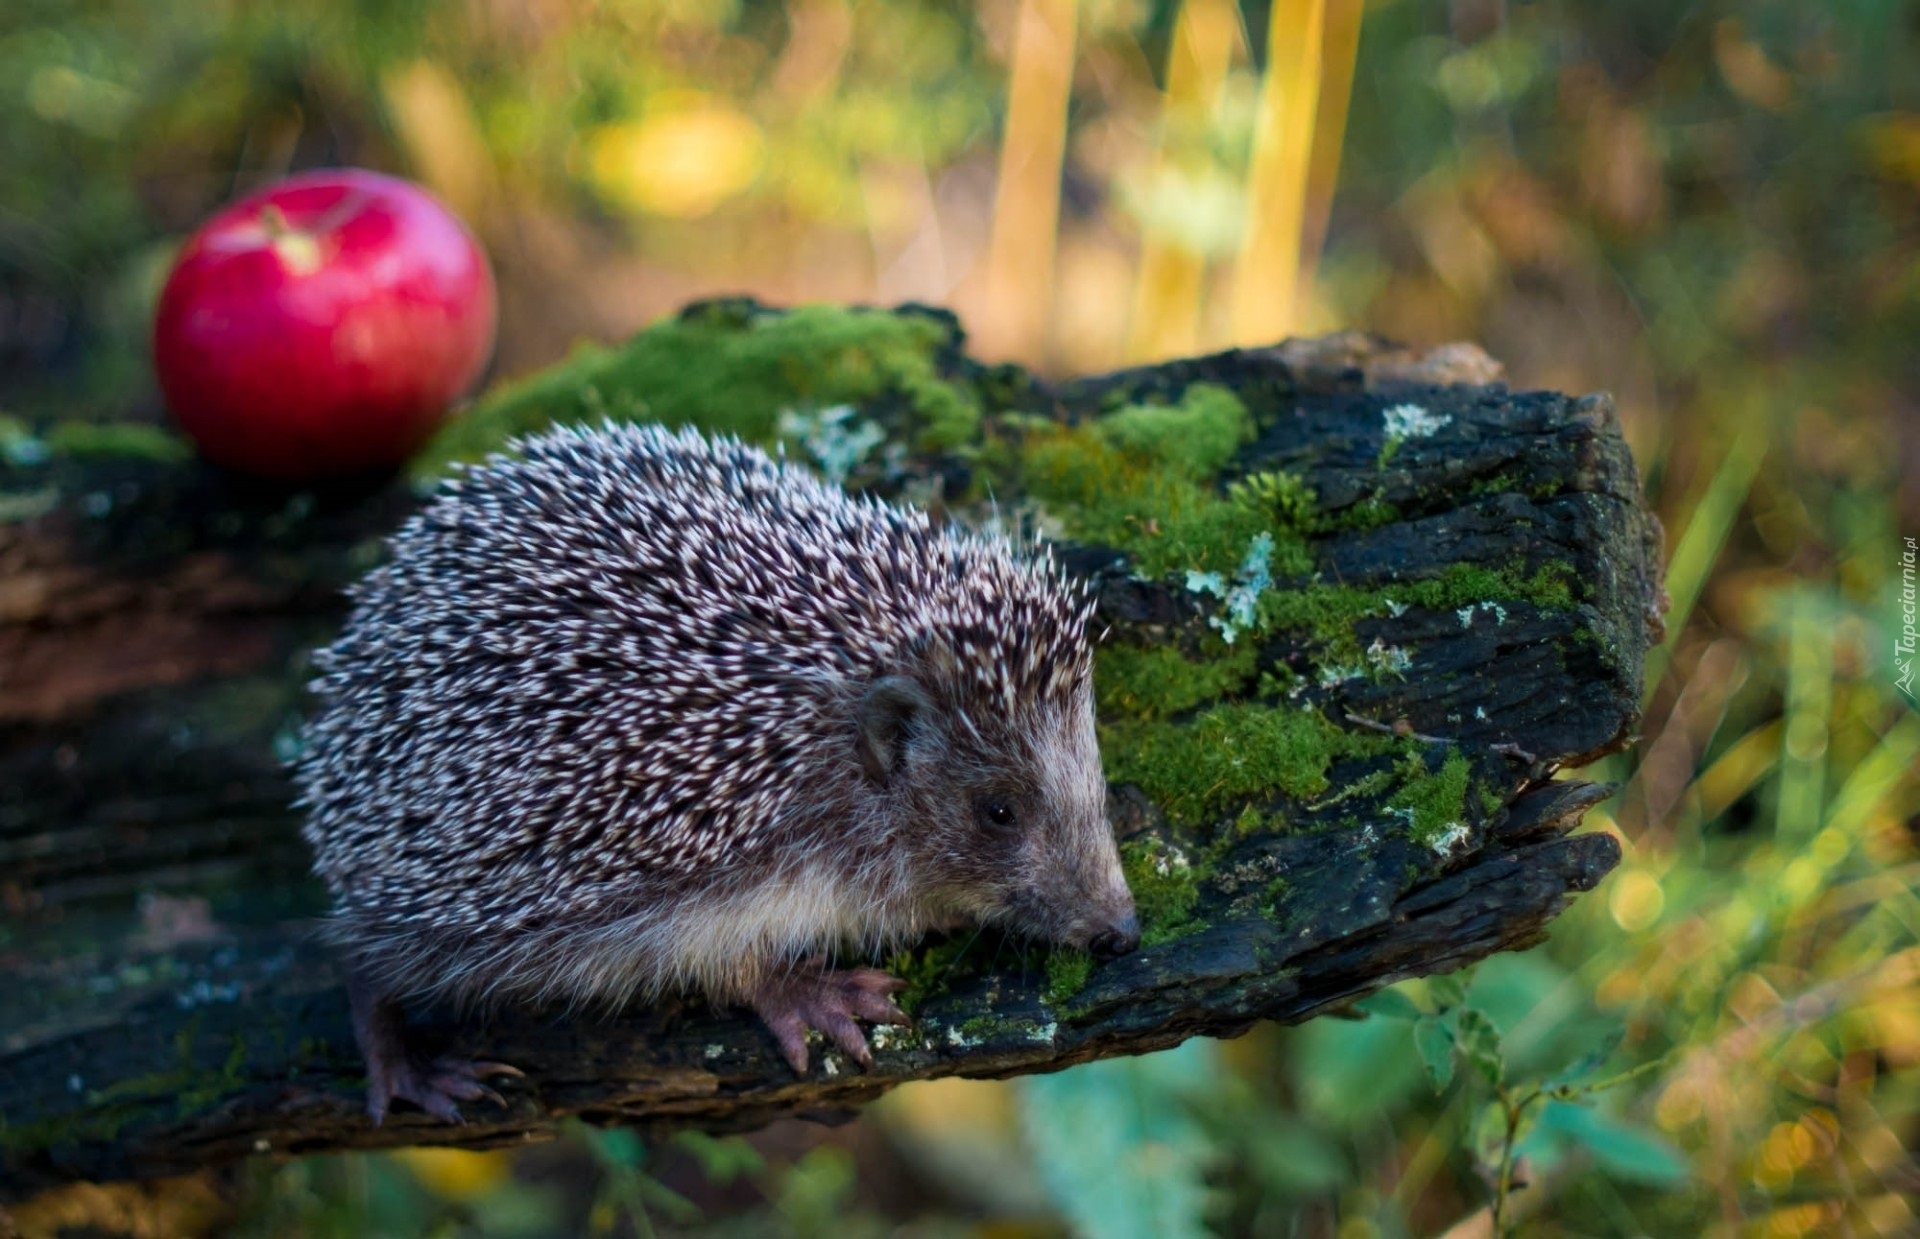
<point>323,325</point>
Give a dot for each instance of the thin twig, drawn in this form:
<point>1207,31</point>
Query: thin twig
<point>1400,727</point>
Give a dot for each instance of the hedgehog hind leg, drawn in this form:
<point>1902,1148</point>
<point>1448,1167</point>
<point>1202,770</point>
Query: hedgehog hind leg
<point>397,1072</point>
<point>830,1001</point>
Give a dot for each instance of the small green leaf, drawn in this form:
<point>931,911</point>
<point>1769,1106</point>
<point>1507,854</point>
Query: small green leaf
<point>1294,1159</point>
<point>615,1146</point>
<point>1348,1073</point>
<point>1449,991</point>
<point>1480,1044</point>
<point>1435,1044</point>
<point>816,1191</point>
<point>1527,1120</point>
<point>1623,1149</point>
<point>656,1196</point>
<point>722,1158</point>
<point>1389,1004</point>
<point>1117,1145</point>
<point>1488,1138</point>
<point>1568,1083</point>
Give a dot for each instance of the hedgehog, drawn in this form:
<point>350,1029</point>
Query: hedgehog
<point>630,712</point>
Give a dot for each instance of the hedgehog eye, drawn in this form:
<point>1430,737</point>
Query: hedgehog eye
<point>995,813</point>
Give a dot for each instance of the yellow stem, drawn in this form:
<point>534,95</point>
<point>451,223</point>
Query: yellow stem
<point>1171,278</point>
<point>1267,276</point>
<point>1026,207</point>
<point>1340,48</point>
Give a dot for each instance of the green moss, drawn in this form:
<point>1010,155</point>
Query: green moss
<point>1194,438</point>
<point>1252,822</point>
<point>1215,536</point>
<point>95,1123</point>
<point>18,444</point>
<point>728,368</point>
<point>206,1090</point>
<point>1165,888</point>
<point>110,1110</point>
<point>84,440</point>
<point>1325,612</point>
<point>1328,612</point>
<point>1433,801</point>
<point>990,1027</point>
<point>1148,682</point>
<point>1141,479</point>
<point>1370,513</point>
<point>1366,785</point>
<point>927,971</point>
<point>26,505</point>
<point>1228,755</point>
<point>1067,973</point>
<point>1284,498</point>
<point>1104,496</point>
<point>1550,587</point>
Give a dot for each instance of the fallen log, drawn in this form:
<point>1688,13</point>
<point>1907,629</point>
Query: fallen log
<point>1361,606</point>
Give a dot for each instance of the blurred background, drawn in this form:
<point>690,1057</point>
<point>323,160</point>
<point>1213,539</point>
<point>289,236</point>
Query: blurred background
<point>1711,209</point>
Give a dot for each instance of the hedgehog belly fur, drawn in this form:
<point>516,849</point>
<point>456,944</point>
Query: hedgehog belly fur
<point>720,940</point>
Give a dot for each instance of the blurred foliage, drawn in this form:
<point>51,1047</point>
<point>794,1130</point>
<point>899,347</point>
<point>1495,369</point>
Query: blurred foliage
<point>1118,1145</point>
<point>1712,209</point>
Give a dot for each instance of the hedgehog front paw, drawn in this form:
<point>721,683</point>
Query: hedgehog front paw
<point>829,1001</point>
<point>396,1073</point>
<point>435,1087</point>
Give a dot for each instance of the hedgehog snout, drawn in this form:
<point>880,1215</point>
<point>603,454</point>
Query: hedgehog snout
<point>1107,925</point>
<point>1122,937</point>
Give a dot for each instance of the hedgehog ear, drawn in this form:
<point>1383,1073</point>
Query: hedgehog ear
<point>892,709</point>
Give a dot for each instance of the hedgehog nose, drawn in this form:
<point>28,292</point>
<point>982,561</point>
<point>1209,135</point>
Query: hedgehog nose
<point>1117,939</point>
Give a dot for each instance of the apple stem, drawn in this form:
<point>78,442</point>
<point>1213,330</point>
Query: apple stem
<point>297,248</point>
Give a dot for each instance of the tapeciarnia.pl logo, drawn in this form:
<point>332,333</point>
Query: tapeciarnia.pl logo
<point>1903,645</point>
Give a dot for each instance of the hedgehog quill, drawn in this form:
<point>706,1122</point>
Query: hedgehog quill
<point>630,712</point>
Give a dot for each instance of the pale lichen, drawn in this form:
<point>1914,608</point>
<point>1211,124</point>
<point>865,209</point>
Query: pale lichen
<point>837,438</point>
<point>1242,598</point>
<point>1408,421</point>
<point>1412,421</point>
<point>1448,841</point>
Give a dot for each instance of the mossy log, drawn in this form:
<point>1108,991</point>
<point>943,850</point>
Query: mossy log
<point>1361,605</point>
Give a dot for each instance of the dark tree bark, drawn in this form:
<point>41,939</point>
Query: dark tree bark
<point>162,1008</point>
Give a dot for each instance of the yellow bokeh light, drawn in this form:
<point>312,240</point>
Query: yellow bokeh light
<point>1895,1021</point>
<point>1879,1148</point>
<point>1889,1214</point>
<point>1751,996</point>
<point>680,161</point>
<point>456,1174</point>
<point>1680,1104</point>
<point>1635,900</point>
<point>1621,986</point>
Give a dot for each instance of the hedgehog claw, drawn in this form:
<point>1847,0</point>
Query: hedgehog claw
<point>831,1002</point>
<point>396,1073</point>
<point>434,1088</point>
